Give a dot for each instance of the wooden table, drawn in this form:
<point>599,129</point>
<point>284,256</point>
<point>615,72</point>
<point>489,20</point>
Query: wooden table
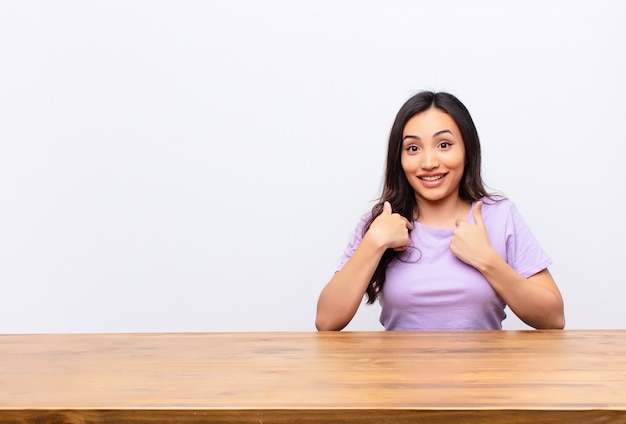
<point>467,376</point>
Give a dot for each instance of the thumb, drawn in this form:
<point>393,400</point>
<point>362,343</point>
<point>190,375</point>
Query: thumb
<point>478,215</point>
<point>387,207</point>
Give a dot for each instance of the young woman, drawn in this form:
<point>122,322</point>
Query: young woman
<point>437,250</point>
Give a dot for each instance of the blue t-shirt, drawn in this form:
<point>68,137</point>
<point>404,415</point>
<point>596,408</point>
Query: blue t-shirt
<point>428,288</point>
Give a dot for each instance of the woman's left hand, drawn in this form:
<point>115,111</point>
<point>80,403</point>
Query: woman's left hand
<point>470,242</point>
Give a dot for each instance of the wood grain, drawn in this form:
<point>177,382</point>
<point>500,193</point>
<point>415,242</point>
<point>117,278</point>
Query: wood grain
<point>468,376</point>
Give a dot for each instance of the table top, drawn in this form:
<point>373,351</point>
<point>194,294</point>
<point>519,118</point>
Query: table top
<point>551,370</point>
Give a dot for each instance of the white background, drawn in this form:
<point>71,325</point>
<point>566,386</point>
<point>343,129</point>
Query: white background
<point>199,165</point>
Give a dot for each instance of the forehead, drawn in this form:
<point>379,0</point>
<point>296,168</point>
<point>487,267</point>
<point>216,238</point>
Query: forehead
<point>430,122</point>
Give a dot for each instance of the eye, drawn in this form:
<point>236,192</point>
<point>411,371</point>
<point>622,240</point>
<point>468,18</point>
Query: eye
<point>412,149</point>
<point>445,144</point>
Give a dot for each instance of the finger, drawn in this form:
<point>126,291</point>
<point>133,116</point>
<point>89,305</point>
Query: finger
<point>387,207</point>
<point>400,248</point>
<point>409,225</point>
<point>478,215</point>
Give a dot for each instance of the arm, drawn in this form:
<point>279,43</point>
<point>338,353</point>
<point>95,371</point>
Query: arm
<point>342,295</point>
<point>536,300</point>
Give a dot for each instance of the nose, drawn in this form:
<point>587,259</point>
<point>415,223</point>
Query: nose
<point>430,159</point>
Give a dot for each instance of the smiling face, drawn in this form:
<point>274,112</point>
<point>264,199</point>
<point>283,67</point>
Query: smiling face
<point>433,157</point>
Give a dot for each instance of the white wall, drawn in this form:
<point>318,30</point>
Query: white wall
<point>198,165</point>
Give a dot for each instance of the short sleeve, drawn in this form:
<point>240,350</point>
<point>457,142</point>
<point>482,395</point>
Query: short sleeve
<point>524,253</point>
<point>353,242</point>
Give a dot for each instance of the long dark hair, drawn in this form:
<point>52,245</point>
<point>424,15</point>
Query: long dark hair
<point>397,189</point>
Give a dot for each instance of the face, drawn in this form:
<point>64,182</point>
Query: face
<point>433,156</point>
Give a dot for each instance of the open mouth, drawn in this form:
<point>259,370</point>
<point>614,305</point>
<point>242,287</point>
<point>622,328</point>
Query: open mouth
<point>432,178</point>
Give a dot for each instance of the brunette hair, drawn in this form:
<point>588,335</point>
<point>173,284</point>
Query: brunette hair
<point>397,189</point>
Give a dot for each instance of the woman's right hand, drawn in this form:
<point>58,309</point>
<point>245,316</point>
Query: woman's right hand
<point>390,230</point>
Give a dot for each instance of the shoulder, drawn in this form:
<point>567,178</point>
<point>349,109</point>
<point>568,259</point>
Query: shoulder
<point>502,213</point>
<point>366,217</point>
<point>497,203</point>
<point>498,208</point>
<point>364,220</point>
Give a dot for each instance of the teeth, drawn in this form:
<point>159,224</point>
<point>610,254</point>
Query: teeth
<point>432,178</point>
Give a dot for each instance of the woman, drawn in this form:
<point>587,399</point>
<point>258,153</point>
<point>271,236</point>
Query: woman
<point>437,250</point>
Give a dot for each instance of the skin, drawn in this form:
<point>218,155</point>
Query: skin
<point>432,148</point>
<point>536,300</point>
<point>433,160</point>
<point>343,294</point>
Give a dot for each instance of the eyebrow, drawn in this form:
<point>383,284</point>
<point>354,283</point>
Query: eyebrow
<point>434,135</point>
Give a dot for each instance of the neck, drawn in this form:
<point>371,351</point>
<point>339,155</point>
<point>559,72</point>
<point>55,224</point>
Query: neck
<point>442,213</point>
